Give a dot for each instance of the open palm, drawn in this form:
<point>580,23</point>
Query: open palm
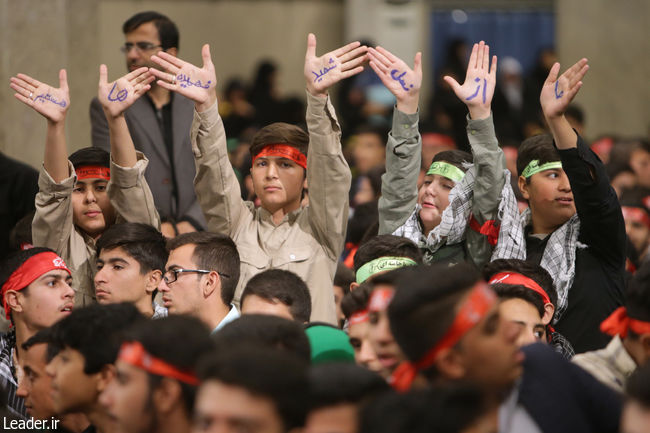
<point>397,76</point>
<point>557,93</point>
<point>119,95</point>
<point>52,103</point>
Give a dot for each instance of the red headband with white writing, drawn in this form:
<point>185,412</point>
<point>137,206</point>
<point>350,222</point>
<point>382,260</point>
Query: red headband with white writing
<point>133,352</point>
<point>477,304</point>
<point>93,172</point>
<point>360,316</point>
<point>619,323</point>
<point>29,271</point>
<point>515,278</point>
<point>282,150</point>
<point>380,299</point>
<point>636,214</point>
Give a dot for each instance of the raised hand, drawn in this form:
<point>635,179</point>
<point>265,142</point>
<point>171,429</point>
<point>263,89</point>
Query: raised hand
<point>324,71</point>
<point>119,95</point>
<point>557,93</point>
<point>197,84</point>
<point>398,77</point>
<point>478,89</point>
<point>52,103</point>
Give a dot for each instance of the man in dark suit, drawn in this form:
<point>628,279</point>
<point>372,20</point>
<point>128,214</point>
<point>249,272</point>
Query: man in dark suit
<point>159,124</point>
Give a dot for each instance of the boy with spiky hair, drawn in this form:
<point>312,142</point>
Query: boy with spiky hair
<point>573,227</point>
<point>280,234</point>
<point>79,197</point>
<point>438,215</point>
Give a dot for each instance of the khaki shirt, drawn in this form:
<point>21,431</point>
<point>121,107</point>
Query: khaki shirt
<point>53,227</point>
<point>611,365</point>
<point>309,240</point>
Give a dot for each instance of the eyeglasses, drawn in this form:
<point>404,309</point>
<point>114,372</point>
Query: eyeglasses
<point>172,275</point>
<point>139,47</point>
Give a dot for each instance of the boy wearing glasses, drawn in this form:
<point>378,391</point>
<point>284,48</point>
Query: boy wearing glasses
<point>201,275</point>
<point>159,124</point>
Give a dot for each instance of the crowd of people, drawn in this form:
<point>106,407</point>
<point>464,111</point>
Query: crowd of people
<point>226,264</point>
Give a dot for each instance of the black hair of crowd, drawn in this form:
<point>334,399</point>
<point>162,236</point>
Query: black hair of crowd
<point>284,286</point>
<point>267,331</point>
<point>96,332</point>
<point>457,158</point>
<point>357,299</point>
<point>90,156</point>
<point>539,147</point>
<point>276,375</point>
<point>167,30</point>
<point>424,306</point>
<point>338,382</point>
<point>343,277</point>
<point>384,246</point>
<point>517,291</point>
<point>213,252</point>
<point>191,340</point>
<point>638,296</point>
<point>528,269</point>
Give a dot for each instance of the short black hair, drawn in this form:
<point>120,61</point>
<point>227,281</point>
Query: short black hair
<point>384,246</point>
<point>179,340</point>
<point>338,382</point>
<point>441,409</point>
<point>517,291</point>
<point>90,156</point>
<point>265,330</point>
<point>638,386</point>
<point>142,242</point>
<point>457,158</point>
<point>343,277</point>
<point>96,331</point>
<point>280,132</point>
<point>528,269</point>
<point>213,252</point>
<point>539,147</point>
<point>283,286</point>
<point>424,306</point>
<point>277,375</point>
<point>637,296</point>
<point>357,299</point>
<point>167,30</point>
<point>42,336</point>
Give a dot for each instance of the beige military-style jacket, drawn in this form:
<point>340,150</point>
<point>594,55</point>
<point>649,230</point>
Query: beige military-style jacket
<point>309,240</point>
<point>53,227</point>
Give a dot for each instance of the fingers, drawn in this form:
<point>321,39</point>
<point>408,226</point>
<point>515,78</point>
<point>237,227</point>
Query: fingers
<point>351,72</point>
<point>574,75</point>
<point>387,54</point>
<point>24,99</point>
<point>353,63</point>
<point>63,80</point>
<point>379,58</point>
<point>493,68</point>
<point>162,76</point>
<point>29,80</point>
<point>20,85</point>
<point>21,90</point>
<point>552,74</point>
<point>339,52</point>
<point>354,53</point>
<point>166,85</point>
<point>171,59</point>
<point>486,58</point>
<point>576,67</point>
<point>205,53</point>
<point>103,74</point>
<point>311,46</point>
<point>452,83</point>
<point>380,70</point>
<point>417,63</point>
<point>137,73</point>
<point>165,63</point>
<point>472,58</point>
<point>573,91</point>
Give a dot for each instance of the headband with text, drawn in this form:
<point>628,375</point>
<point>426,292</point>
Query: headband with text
<point>360,316</point>
<point>382,264</point>
<point>447,170</point>
<point>533,167</point>
<point>283,151</point>
<point>515,278</point>
<point>93,172</point>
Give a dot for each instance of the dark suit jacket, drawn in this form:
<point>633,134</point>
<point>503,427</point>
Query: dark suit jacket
<point>147,137</point>
<point>562,397</point>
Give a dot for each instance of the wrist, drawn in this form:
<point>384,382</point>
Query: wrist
<point>203,106</point>
<point>408,105</point>
<point>478,113</point>
<point>317,94</point>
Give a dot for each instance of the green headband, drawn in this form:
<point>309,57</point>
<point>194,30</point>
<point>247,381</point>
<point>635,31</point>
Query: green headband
<point>382,264</point>
<point>446,170</point>
<point>534,167</point>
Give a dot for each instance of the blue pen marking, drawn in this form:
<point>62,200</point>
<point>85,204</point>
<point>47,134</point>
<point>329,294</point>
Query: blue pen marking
<point>398,78</point>
<point>469,98</point>
<point>325,70</point>
<point>484,88</point>
<point>47,97</point>
<point>558,95</point>
<point>121,95</point>
<point>185,82</point>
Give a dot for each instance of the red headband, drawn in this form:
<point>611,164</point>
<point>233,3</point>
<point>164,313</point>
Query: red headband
<point>93,172</point>
<point>515,278</point>
<point>29,271</point>
<point>618,323</point>
<point>358,317</point>
<point>283,151</point>
<point>380,299</point>
<point>636,214</point>
<point>132,352</point>
<point>480,300</point>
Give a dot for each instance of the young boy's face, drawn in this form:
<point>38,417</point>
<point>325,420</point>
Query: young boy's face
<point>433,197</point>
<point>639,235</point>
<point>35,385</point>
<point>550,198</point>
<point>72,389</point>
<point>364,354</point>
<point>278,182</point>
<point>524,315</point>
<point>91,208</point>
<point>127,399</point>
<point>253,304</point>
<point>48,299</point>
<point>381,338</point>
<point>119,279</point>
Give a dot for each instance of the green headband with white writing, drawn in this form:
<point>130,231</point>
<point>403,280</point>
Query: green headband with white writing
<point>534,167</point>
<point>446,170</point>
<point>380,265</point>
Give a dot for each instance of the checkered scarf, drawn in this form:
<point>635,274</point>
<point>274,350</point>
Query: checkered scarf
<point>559,257</point>
<point>453,224</point>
